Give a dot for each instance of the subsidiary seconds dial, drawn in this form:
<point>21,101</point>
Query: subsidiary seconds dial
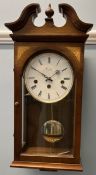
<point>49,77</point>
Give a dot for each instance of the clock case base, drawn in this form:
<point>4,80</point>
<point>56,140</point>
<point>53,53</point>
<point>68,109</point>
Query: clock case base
<point>47,166</point>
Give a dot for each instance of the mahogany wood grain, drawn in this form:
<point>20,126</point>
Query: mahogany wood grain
<point>47,166</point>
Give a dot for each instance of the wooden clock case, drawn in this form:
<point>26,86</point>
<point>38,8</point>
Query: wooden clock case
<point>29,41</point>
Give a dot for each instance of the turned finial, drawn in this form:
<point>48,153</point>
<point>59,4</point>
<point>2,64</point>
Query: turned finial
<point>49,12</point>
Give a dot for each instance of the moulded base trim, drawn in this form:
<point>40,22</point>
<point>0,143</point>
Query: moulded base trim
<point>47,166</point>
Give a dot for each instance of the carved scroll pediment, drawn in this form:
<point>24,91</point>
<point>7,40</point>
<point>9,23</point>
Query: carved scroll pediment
<point>24,29</point>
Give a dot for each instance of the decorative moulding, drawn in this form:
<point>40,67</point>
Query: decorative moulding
<point>6,39</point>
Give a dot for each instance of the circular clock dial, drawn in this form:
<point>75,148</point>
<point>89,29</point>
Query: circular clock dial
<point>49,77</point>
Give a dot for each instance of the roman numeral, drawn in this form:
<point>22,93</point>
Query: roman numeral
<point>40,93</point>
<point>33,87</point>
<point>31,77</point>
<point>48,96</point>
<point>64,69</point>
<point>57,94</point>
<point>58,61</point>
<point>40,62</point>
<point>65,88</point>
<point>66,78</point>
<point>49,59</point>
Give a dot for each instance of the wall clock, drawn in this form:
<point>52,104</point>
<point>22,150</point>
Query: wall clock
<point>48,75</point>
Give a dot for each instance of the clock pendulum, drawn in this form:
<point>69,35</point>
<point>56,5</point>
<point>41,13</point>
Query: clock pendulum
<point>53,130</point>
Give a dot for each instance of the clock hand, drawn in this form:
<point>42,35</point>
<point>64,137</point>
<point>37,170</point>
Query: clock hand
<point>57,72</point>
<point>49,78</point>
<point>40,72</point>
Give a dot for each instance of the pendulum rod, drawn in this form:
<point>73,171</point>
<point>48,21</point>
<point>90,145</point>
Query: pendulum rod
<point>51,112</point>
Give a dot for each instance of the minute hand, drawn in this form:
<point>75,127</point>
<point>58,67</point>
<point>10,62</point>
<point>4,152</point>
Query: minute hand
<point>39,72</point>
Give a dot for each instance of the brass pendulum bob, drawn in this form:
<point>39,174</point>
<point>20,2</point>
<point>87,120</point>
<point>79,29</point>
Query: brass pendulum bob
<point>52,130</point>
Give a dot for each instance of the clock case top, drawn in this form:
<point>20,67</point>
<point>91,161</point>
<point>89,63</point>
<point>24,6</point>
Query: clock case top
<point>30,40</point>
<point>24,29</point>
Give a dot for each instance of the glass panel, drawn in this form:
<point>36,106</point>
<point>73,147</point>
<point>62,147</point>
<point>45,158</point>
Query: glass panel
<point>47,129</point>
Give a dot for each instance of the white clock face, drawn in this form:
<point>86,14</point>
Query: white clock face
<point>49,77</point>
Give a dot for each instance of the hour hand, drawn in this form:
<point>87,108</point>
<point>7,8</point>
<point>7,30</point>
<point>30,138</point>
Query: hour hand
<point>56,72</point>
<point>49,79</point>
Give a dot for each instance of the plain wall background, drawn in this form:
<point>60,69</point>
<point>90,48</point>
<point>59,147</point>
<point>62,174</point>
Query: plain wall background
<point>10,10</point>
